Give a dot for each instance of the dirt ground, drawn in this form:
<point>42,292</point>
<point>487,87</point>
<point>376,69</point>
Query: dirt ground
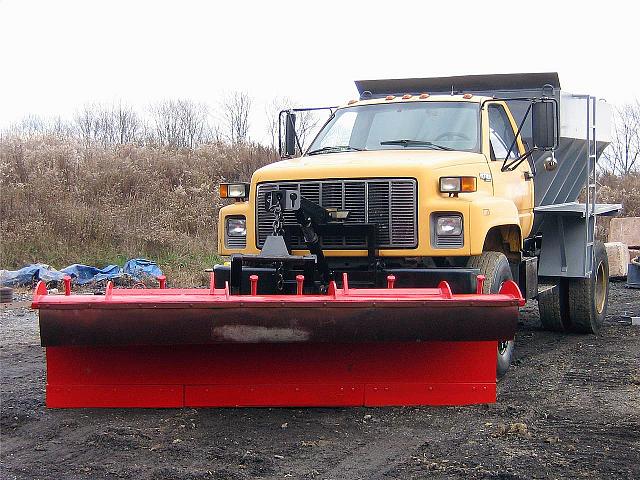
<point>569,408</point>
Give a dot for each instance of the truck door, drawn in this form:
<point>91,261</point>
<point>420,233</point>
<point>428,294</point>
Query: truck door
<point>518,184</point>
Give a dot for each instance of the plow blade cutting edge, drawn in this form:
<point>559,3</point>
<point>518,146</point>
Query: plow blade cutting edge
<point>197,347</point>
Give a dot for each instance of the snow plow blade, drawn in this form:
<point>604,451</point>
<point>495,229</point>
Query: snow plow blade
<point>197,347</point>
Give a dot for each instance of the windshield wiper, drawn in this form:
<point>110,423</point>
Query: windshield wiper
<point>335,149</point>
<point>417,143</point>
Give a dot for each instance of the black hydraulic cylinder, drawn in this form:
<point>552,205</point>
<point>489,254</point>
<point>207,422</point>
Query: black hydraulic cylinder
<point>313,243</point>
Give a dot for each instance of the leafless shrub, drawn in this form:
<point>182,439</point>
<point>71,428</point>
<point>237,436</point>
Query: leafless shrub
<point>623,154</point>
<point>180,123</point>
<point>622,189</point>
<point>33,126</point>
<point>235,109</point>
<point>107,125</point>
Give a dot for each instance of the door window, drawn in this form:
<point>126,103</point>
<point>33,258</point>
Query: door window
<point>501,133</point>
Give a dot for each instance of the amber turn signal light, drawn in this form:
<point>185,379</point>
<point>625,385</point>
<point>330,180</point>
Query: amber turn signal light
<point>469,184</point>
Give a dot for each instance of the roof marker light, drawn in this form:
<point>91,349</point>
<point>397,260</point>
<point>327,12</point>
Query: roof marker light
<point>423,96</point>
<point>467,96</point>
<point>351,102</point>
<point>407,96</point>
<point>389,97</point>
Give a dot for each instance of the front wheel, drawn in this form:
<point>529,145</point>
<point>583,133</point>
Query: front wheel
<point>495,267</point>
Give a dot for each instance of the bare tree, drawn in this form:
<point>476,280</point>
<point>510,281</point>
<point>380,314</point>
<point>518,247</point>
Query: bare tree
<point>306,125</point>
<point>236,108</point>
<point>85,119</point>
<point>127,124</point>
<point>180,123</point>
<point>108,125</point>
<point>272,110</point>
<point>105,128</point>
<point>30,126</point>
<point>623,154</point>
<point>61,128</point>
<point>166,123</point>
<point>195,127</point>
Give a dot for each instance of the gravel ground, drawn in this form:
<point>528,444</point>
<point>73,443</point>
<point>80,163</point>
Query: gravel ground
<point>569,408</point>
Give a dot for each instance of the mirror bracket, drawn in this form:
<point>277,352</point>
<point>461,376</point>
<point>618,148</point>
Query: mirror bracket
<point>509,166</point>
<point>291,144</point>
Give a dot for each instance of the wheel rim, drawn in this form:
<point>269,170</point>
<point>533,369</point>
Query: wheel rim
<point>601,288</point>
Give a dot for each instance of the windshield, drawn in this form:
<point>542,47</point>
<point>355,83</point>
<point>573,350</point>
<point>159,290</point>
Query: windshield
<point>410,125</point>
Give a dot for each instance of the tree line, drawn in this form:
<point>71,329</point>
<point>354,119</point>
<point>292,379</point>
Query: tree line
<point>173,123</point>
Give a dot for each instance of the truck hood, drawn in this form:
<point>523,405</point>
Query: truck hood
<point>367,164</point>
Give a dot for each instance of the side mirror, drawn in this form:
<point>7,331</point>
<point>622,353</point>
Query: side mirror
<point>289,135</point>
<point>543,125</point>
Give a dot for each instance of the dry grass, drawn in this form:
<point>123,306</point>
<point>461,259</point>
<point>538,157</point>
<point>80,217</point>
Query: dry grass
<point>623,189</point>
<point>63,203</point>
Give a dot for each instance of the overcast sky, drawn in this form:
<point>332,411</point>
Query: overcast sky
<point>60,54</point>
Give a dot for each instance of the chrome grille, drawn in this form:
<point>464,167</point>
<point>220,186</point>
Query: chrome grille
<point>235,242</point>
<point>390,203</point>
<point>448,242</point>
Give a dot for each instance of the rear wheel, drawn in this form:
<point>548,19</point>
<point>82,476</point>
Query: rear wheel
<point>553,305</point>
<point>495,267</point>
<point>588,296</point>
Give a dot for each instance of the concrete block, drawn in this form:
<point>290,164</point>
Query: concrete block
<point>625,230</point>
<point>618,254</point>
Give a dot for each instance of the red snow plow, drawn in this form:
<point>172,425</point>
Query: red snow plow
<point>346,347</point>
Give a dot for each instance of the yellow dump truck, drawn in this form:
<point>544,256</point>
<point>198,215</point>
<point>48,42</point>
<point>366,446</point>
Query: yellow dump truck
<point>383,265</point>
<point>438,179</point>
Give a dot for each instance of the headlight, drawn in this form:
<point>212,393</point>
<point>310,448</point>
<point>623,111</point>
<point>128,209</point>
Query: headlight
<point>236,226</point>
<point>234,190</point>
<point>458,184</point>
<point>449,184</point>
<point>448,226</point>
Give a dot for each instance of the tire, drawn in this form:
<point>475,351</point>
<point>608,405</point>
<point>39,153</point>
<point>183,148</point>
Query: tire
<point>553,306</point>
<point>588,297</point>
<point>495,267</point>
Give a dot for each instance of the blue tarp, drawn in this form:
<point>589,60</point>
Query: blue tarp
<point>82,274</point>
<point>29,274</point>
<point>135,269</point>
<point>141,268</point>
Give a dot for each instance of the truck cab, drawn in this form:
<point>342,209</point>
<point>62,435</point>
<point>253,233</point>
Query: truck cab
<point>427,169</point>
